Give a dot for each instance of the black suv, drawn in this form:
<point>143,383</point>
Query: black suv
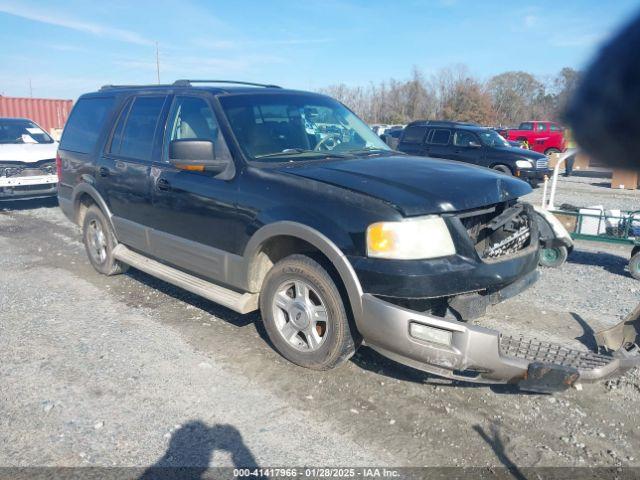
<point>470,143</point>
<point>257,197</point>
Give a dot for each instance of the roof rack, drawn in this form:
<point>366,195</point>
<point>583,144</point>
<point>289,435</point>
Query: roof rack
<point>187,83</point>
<point>444,123</point>
<point>151,85</point>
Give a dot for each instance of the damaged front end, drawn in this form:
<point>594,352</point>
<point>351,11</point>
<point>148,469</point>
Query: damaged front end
<point>474,353</point>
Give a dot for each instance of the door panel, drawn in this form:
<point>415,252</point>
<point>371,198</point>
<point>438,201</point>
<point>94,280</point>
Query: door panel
<point>123,172</point>
<point>438,143</point>
<point>462,151</point>
<point>194,213</point>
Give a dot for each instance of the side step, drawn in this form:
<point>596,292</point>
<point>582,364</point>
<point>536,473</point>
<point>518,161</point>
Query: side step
<point>239,302</point>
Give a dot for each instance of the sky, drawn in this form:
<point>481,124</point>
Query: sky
<point>63,49</point>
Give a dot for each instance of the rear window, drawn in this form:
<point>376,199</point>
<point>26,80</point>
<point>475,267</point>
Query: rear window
<point>440,137</point>
<point>414,134</point>
<point>526,126</point>
<point>85,123</point>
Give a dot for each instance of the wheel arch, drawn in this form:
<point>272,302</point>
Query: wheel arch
<point>277,240</point>
<point>84,195</point>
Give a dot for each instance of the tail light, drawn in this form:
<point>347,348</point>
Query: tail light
<point>58,166</point>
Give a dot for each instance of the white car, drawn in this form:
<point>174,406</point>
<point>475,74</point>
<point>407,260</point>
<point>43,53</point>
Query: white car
<point>27,160</point>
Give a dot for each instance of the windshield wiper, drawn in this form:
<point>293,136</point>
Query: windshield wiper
<point>301,151</point>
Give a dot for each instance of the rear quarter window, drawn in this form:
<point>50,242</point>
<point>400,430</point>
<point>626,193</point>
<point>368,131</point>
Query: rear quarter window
<point>413,134</point>
<point>85,124</point>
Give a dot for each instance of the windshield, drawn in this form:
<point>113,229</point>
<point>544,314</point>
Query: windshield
<point>22,131</point>
<point>291,127</point>
<point>491,138</point>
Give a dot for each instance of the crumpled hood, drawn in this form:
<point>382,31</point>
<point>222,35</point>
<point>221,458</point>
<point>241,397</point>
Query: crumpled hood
<point>416,185</point>
<point>28,152</point>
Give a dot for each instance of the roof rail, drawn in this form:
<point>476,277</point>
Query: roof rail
<point>444,123</point>
<point>151,85</point>
<point>187,83</point>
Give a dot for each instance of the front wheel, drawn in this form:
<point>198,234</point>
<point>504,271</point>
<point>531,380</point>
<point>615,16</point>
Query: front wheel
<point>304,315</point>
<point>550,151</point>
<point>634,266</point>
<point>553,257</point>
<point>502,169</point>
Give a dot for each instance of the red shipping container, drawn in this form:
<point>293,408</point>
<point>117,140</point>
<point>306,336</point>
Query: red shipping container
<point>47,112</point>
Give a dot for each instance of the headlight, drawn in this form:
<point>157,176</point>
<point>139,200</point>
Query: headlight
<point>524,164</point>
<point>411,239</point>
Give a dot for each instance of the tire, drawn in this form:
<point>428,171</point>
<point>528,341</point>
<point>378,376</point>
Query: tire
<point>296,290</point>
<point>553,257</point>
<point>550,151</point>
<point>502,169</point>
<point>634,266</point>
<point>99,242</point>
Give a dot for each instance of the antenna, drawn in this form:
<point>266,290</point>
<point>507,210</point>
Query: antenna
<point>157,63</point>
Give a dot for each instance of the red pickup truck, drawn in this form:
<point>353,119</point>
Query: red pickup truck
<point>542,137</point>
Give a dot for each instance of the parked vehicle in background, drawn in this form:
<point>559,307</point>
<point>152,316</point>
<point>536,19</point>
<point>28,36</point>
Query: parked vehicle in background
<point>543,137</point>
<point>27,160</point>
<point>379,129</point>
<point>470,143</point>
<point>392,137</point>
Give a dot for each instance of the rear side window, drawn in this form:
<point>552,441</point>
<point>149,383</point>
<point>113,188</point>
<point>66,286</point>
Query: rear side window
<point>413,134</point>
<point>440,137</point>
<point>542,127</point>
<point>85,124</point>
<point>139,131</point>
<point>526,126</point>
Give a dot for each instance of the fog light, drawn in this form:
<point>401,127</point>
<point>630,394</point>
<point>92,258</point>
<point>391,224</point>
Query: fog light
<point>430,334</point>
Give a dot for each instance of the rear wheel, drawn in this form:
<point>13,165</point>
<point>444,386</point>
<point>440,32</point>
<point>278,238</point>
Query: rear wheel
<point>502,169</point>
<point>553,257</point>
<point>99,242</point>
<point>304,315</point>
<point>634,266</point>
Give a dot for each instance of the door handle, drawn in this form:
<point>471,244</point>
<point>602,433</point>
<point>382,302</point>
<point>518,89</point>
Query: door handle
<point>163,185</point>
<point>103,171</point>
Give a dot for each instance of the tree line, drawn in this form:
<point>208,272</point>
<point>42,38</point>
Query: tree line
<point>454,94</point>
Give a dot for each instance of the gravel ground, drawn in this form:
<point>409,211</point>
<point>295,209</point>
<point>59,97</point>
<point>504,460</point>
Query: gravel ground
<point>130,371</point>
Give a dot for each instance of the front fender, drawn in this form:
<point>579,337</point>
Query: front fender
<point>320,241</point>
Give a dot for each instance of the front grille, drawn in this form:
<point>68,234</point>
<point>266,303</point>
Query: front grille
<point>500,230</point>
<point>542,164</point>
<point>550,353</point>
<point>23,169</point>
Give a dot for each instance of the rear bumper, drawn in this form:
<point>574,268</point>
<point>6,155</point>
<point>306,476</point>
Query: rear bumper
<point>478,354</point>
<point>28,187</point>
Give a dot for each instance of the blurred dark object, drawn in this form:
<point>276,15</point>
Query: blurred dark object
<point>604,112</point>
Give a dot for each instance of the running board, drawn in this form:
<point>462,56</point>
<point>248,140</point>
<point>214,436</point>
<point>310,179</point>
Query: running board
<point>239,302</point>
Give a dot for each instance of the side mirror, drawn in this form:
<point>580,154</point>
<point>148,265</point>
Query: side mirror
<point>195,155</point>
<point>474,145</point>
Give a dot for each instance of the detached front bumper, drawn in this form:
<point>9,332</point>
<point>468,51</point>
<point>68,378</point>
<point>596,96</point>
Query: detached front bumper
<point>28,187</point>
<point>477,354</point>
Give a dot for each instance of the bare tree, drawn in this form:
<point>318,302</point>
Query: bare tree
<point>453,93</point>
